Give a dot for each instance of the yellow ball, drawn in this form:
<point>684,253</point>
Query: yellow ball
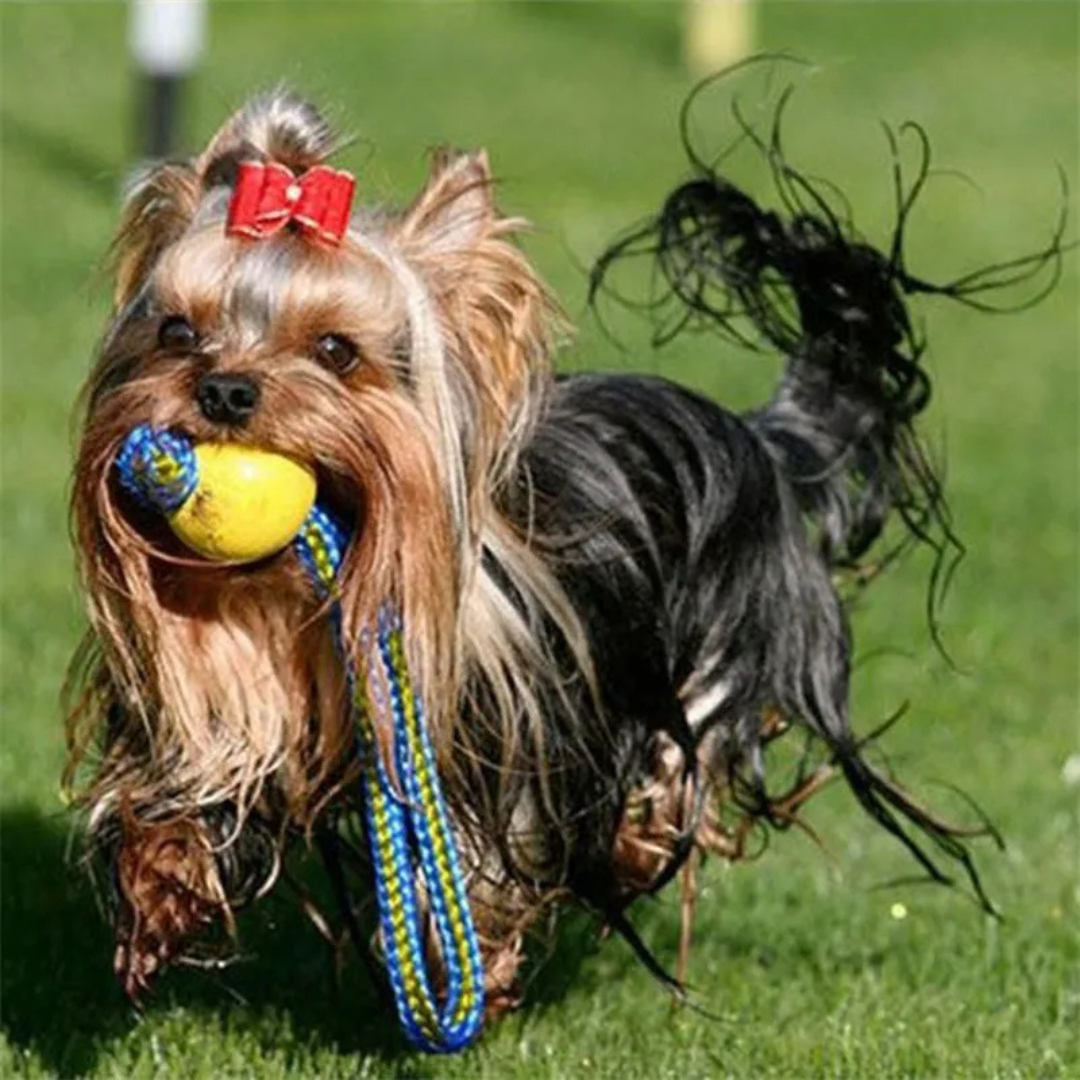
<point>248,503</point>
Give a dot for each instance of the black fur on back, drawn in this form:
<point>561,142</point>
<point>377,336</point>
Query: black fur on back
<point>709,541</point>
<point>689,555</point>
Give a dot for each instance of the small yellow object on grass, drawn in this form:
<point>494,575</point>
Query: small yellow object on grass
<point>898,911</point>
<point>248,503</point>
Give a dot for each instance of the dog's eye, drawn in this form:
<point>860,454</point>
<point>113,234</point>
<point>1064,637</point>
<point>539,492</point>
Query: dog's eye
<point>177,334</point>
<point>337,352</point>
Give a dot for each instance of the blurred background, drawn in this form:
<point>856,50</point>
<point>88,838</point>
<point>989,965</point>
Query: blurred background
<point>811,963</point>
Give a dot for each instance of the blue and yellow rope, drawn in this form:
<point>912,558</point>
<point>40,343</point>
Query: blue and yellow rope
<point>159,469</point>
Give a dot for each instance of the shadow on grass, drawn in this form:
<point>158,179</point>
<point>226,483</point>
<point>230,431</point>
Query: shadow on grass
<point>57,992</point>
<point>61,1003</point>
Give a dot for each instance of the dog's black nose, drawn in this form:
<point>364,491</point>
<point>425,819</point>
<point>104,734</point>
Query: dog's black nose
<point>227,399</point>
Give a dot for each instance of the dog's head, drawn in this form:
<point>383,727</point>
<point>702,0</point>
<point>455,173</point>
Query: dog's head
<point>402,364</point>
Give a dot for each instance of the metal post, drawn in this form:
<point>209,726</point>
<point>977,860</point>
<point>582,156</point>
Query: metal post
<point>166,39</point>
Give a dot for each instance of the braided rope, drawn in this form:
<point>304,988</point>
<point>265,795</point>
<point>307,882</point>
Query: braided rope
<point>159,469</point>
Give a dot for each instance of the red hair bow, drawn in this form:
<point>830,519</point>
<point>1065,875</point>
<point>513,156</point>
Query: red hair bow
<point>269,195</point>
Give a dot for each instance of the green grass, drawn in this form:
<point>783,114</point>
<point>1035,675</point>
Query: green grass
<point>796,955</point>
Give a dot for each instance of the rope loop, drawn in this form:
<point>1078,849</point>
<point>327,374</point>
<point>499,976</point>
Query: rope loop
<point>408,825</point>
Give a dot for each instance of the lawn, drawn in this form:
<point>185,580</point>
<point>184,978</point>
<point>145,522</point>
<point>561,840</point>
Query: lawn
<point>799,958</point>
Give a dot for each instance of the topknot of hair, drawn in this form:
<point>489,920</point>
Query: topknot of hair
<point>277,125</point>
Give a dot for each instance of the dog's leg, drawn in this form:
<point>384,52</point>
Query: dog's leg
<point>503,917</point>
<point>502,959</point>
<point>170,891</point>
<point>652,821</point>
<point>502,951</point>
<point>687,901</point>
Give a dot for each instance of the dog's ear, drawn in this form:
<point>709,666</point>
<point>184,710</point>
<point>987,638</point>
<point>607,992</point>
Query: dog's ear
<point>275,126</point>
<point>160,204</point>
<point>497,318</point>
<point>456,208</point>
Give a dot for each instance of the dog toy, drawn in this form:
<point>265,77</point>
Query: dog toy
<point>228,503</point>
<point>405,810</point>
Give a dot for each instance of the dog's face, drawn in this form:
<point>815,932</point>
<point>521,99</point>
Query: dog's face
<point>399,365</point>
<point>278,344</point>
<point>291,345</point>
<point>281,344</point>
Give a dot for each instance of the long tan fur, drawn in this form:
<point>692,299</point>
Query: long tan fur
<point>200,685</point>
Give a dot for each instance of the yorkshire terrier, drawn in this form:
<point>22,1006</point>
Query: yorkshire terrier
<point>617,594</point>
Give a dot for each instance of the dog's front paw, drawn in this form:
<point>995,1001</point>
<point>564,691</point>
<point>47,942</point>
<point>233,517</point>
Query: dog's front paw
<point>170,891</point>
<point>502,987</point>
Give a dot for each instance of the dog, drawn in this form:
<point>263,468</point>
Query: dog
<point>616,594</point>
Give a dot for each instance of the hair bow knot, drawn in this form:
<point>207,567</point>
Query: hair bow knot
<point>269,195</point>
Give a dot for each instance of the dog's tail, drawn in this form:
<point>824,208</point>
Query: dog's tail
<point>804,283</point>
